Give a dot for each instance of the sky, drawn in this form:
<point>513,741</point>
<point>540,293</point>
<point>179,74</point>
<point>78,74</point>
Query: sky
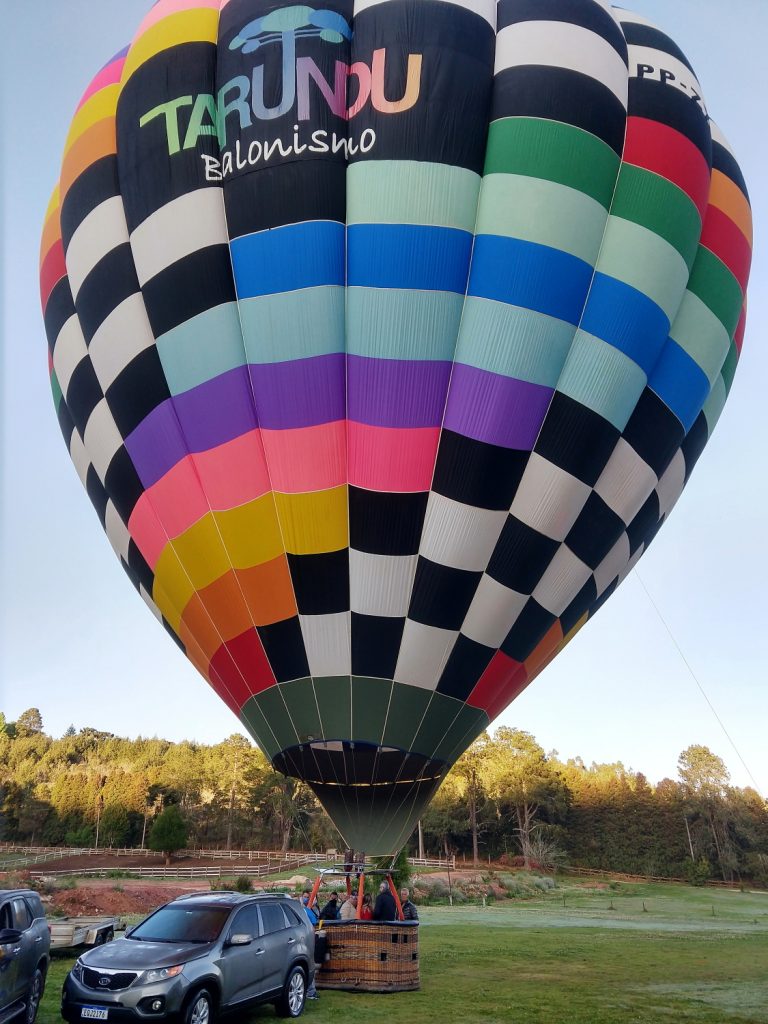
<point>77,642</point>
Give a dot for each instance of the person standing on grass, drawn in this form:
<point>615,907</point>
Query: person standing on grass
<point>384,908</point>
<point>410,913</point>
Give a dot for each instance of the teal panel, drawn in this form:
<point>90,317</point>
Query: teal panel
<point>602,378</point>
<point>698,332</point>
<point>714,405</point>
<point>647,262</point>
<point>411,192</point>
<point>294,325</point>
<point>393,323</point>
<point>202,348</point>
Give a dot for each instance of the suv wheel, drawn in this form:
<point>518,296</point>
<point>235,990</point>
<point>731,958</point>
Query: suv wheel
<point>33,997</point>
<point>291,1002</point>
<point>199,1009</point>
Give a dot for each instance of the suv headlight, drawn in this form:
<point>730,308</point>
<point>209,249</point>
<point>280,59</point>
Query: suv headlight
<point>163,973</point>
<point>77,971</point>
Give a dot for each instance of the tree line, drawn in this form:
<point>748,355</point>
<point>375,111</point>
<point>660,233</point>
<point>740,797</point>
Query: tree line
<point>505,798</point>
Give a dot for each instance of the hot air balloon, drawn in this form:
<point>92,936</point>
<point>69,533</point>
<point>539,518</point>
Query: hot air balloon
<point>384,338</point>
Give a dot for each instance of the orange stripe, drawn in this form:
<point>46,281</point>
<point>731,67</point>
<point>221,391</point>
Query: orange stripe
<point>100,140</point>
<point>728,197</point>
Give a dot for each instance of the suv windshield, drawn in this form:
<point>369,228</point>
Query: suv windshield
<point>182,924</point>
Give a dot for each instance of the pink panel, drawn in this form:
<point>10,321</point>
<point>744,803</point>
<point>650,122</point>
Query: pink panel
<point>307,458</point>
<point>391,458</point>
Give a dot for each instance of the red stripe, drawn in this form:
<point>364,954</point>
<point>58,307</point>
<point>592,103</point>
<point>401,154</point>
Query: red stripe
<point>243,667</point>
<point>666,152</point>
<point>738,337</point>
<point>498,686</point>
<point>723,238</point>
<point>52,269</point>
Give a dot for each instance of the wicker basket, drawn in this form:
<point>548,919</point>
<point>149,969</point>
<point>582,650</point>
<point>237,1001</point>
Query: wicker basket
<point>371,956</point>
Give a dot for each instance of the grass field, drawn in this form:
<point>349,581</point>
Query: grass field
<point>696,955</point>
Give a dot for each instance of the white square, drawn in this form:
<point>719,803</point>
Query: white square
<point>328,643</point>
<point>458,535</point>
<point>102,231</point>
<point>117,532</point>
<point>562,581</point>
<point>424,651</point>
<point>192,222</point>
<point>548,499</point>
<point>614,563</point>
<point>671,485</point>
<point>102,438</point>
<point>79,456</point>
<point>120,338</point>
<point>626,482</point>
<point>381,584</point>
<point>69,351</point>
<point>493,612</point>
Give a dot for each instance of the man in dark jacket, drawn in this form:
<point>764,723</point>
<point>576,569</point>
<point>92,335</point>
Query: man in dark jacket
<point>384,908</point>
<point>410,913</point>
<point>330,911</point>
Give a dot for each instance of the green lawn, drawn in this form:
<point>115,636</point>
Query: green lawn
<point>695,955</point>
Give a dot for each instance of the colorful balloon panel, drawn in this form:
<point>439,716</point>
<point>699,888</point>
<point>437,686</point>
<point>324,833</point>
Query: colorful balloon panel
<point>384,339</point>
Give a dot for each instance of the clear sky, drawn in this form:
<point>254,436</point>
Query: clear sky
<point>77,642</point>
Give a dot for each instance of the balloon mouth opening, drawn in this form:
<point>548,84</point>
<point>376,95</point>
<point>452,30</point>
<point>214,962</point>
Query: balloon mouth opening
<point>344,763</point>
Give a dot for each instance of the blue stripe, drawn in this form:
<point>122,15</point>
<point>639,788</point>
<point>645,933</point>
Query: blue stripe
<point>530,275</point>
<point>626,319</point>
<point>680,383</point>
<point>410,256</point>
<point>284,259</point>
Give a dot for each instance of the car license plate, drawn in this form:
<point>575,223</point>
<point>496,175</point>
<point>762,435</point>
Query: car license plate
<point>94,1012</point>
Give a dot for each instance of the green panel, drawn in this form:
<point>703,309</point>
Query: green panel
<point>646,262</point>
<point>468,725</point>
<point>253,719</point>
<point>411,192</point>
<point>394,323</point>
<point>716,286</point>
<point>541,211</point>
<point>406,709</point>
<point>333,699</point>
<point>729,367</point>
<point>559,152</point>
<point>657,204</point>
<point>602,378</point>
<point>513,341</point>
<point>714,405</point>
<point>274,710</point>
<point>299,697</point>
<point>438,720</point>
<point>56,390</point>
<point>370,701</point>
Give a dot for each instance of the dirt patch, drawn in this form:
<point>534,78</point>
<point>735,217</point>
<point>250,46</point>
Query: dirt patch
<point>108,899</point>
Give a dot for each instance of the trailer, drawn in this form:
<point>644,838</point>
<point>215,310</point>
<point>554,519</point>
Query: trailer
<point>72,932</point>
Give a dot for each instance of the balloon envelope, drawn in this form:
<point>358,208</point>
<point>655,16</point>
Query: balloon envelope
<point>384,340</point>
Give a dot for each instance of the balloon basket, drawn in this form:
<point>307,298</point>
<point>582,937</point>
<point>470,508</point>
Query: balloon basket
<point>370,956</point>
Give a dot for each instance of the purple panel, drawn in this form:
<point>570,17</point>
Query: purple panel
<point>397,392</point>
<point>300,393</point>
<point>496,409</point>
<point>204,417</point>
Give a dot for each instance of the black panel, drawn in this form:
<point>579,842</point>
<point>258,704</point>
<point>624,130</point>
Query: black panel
<point>123,484</point>
<point>110,282</point>
<point>668,105</point>
<point>66,423</point>
<point>694,444</point>
<point>84,393</point>
<point>475,473</point>
<point>580,604</point>
<point>190,286</point>
<point>574,12</point>
<point>725,162</point>
<point>441,594</point>
<point>466,664</point>
<point>173,635</point>
<point>559,94</point>
<point>448,123</point>
<point>284,646</point>
<point>97,494</point>
<point>297,192</point>
<point>95,185</point>
<point>386,524</point>
<point>375,645</point>
<point>137,390</point>
<point>605,596</point>
<point>654,431</point>
<point>143,572</point>
<point>643,522</point>
<point>647,35</point>
<point>531,627</point>
<point>130,573</point>
<point>576,439</point>
<point>521,556</point>
<point>59,308</point>
<point>150,176</point>
<point>321,582</point>
<point>595,531</point>
<point>356,764</point>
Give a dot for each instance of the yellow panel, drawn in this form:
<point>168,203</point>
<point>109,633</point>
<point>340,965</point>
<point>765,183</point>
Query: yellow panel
<point>575,629</point>
<point>195,26</point>
<point>201,552</point>
<point>172,589</point>
<point>53,205</point>
<point>100,106</point>
<point>251,532</point>
<point>314,522</point>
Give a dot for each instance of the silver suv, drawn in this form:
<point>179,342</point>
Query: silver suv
<point>25,944</point>
<point>197,957</point>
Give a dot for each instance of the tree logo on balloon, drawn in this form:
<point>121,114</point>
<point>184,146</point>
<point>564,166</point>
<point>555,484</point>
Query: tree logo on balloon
<point>296,22</point>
